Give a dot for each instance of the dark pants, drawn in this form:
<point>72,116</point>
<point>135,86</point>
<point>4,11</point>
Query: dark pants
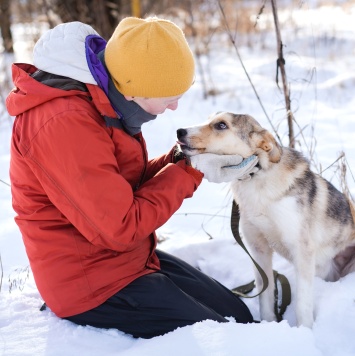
<point>157,303</point>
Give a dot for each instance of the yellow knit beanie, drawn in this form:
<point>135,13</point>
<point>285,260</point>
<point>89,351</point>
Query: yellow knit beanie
<point>149,58</point>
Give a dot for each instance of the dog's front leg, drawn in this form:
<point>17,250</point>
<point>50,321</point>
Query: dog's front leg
<point>262,254</point>
<point>305,272</point>
<point>266,299</point>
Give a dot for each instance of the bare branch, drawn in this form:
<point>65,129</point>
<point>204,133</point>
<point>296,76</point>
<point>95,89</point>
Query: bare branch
<point>281,66</point>
<point>5,183</point>
<point>245,71</point>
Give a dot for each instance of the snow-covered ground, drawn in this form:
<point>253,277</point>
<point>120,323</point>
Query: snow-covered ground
<point>321,70</point>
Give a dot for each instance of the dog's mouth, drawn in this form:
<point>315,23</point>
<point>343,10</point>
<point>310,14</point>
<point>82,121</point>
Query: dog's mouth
<point>188,150</point>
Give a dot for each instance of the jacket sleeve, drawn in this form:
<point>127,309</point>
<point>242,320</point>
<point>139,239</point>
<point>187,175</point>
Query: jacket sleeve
<point>73,159</point>
<point>156,164</point>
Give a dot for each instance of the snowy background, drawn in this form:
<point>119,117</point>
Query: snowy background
<point>320,66</point>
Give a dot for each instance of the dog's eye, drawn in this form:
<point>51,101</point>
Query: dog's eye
<point>221,125</point>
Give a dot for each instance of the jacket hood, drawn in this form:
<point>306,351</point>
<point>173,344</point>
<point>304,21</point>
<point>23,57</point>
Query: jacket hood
<point>62,51</point>
<point>68,50</point>
<point>29,93</point>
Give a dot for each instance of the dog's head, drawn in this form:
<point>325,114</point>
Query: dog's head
<point>227,133</point>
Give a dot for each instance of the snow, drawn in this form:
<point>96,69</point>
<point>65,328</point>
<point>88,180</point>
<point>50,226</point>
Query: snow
<point>321,72</point>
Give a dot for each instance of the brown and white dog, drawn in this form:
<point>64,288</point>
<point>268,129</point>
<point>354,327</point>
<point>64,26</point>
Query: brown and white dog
<point>284,207</point>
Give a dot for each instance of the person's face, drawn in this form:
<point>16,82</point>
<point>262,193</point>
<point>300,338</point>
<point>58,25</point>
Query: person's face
<point>156,106</point>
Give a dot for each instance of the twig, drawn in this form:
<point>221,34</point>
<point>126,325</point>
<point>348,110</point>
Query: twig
<point>5,183</point>
<point>340,157</point>
<point>207,233</point>
<point>260,12</point>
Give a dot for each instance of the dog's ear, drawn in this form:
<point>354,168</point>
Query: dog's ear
<point>268,144</point>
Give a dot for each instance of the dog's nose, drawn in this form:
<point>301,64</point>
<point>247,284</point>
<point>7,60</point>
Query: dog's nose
<point>181,133</point>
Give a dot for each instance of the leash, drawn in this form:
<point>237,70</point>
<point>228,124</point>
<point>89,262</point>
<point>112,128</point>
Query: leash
<point>279,278</point>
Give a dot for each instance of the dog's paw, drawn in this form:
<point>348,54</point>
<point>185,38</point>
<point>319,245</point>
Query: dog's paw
<point>268,315</point>
<point>307,322</point>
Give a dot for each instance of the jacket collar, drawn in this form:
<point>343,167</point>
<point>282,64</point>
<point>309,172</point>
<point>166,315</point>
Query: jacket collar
<point>131,115</point>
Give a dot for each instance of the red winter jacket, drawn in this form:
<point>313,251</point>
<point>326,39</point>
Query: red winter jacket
<point>87,229</point>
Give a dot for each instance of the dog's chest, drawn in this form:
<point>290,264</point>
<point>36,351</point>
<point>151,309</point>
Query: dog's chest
<point>272,219</point>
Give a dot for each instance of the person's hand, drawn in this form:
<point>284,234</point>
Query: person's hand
<point>181,160</point>
<point>224,168</point>
<point>176,154</point>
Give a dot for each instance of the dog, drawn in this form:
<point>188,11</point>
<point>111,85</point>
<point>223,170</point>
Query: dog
<point>284,207</point>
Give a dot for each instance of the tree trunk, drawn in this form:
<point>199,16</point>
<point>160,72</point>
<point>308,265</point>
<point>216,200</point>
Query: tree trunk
<point>5,26</point>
